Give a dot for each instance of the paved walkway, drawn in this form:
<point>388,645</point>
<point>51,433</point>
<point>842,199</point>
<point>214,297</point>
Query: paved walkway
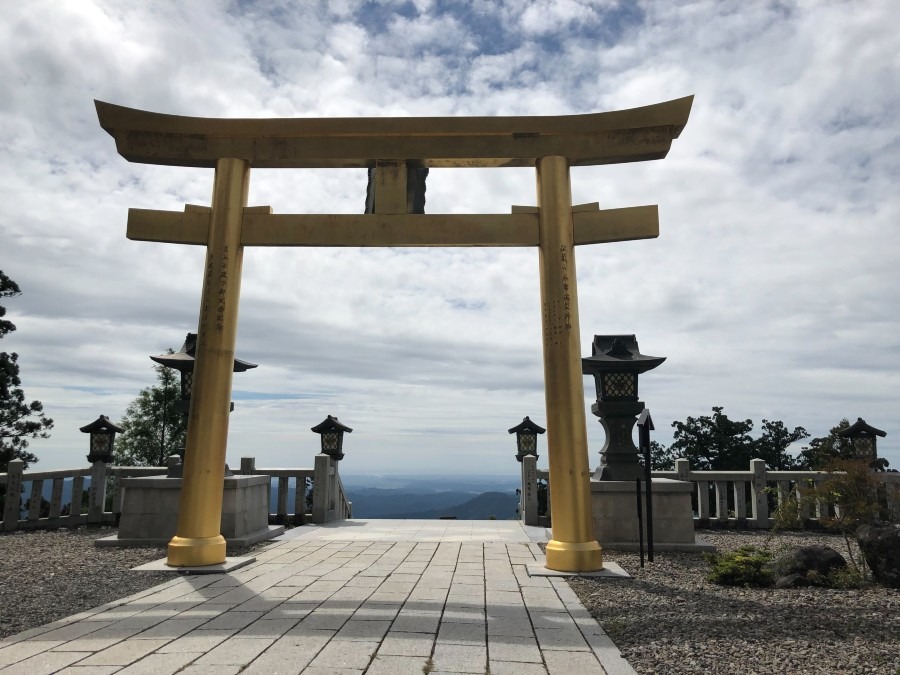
<point>378,597</point>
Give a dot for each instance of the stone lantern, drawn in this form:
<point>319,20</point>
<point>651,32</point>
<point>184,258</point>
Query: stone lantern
<point>526,438</point>
<point>332,435</point>
<point>183,362</point>
<point>863,439</point>
<point>103,437</point>
<point>615,364</point>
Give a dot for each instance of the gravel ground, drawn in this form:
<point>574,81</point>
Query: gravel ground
<point>49,575</point>
<point>670,619</point>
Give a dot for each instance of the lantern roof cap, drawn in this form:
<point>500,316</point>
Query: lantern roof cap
<point>183,359</point>
<point>527,425</point>
<point>330,423</point>
<point>860,429</point>
<point>617,353</point>
<point>101,425</point>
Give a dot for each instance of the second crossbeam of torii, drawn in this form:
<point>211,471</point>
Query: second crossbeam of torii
<point>394,149</point>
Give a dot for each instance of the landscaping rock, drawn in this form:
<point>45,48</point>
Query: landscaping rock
<point>881,548</point>
<point>806,566</point>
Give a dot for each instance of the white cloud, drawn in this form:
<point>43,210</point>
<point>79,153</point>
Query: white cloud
<point>552,16</point>
<point>770,289</point>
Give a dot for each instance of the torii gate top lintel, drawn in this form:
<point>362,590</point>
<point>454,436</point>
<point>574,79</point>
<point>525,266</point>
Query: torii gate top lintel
<point>636,134</point>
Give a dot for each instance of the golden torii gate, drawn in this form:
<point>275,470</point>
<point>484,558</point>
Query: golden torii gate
<point>392,146</point>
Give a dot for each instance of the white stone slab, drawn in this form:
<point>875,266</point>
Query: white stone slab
<point>269,532</point>
<point>229,565</point>
<point>610,570</point>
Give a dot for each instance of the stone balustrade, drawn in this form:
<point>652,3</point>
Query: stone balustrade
<point>735,498</point>
<point>103,504</point>
<point>328,502</point>
<point>27,507</point>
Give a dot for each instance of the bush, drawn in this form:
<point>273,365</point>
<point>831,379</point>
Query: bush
<point>748,566</point>
<point>847,577</point>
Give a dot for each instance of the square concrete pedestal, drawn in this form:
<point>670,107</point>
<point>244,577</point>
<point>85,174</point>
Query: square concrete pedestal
<point>614,509</point>
<point>150,511</point>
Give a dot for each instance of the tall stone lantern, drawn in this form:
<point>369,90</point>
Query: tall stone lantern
<point>183,362</point>
<point>615,364</point>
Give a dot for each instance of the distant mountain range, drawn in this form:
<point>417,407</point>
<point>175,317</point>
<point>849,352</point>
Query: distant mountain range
<point>387,503</point>
<point>474,482</point>
<point>465,497</point>
<point>487,505</point>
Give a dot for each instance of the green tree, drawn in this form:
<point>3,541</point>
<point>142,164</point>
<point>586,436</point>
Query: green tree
<point>154,427</point>
<point>823,451</point>
<point>661,457</point>
<point>19,419</point>
<point>715,442</point>
<point>773,446</point>
<point>718,442</point>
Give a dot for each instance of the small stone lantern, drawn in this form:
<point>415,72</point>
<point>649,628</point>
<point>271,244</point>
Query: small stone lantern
<point>526,438</point>
<point>615,363</point>
<point>103,437</point>
<point>863,439</point>
<point>332,433</point>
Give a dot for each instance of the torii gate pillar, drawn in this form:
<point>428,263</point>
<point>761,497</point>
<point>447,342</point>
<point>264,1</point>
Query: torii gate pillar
<point>573,547</point>
<point>198,541</point>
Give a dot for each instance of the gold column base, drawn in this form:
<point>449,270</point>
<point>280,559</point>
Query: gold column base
<point>196,552</point>
<point>567,556</point>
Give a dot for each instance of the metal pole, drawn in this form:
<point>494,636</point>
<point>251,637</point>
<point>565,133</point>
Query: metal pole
<point>645,425</point>
<point>649,480</point>
<point>198,540</point>
<point>640,518</point>
<point>574,548</point>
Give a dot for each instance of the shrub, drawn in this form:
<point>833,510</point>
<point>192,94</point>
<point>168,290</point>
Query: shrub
<point>787,515</point>
<point>851,492</point>
<point>748,566</point>
<point>850,576</point>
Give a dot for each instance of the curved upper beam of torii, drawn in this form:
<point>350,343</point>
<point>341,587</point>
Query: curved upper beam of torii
<point>632,135</point>
<point>393,146</point>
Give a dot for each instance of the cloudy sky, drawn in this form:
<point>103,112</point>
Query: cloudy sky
<point>772,289</point>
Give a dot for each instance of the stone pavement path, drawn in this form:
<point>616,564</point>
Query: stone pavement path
<point>376,597</point>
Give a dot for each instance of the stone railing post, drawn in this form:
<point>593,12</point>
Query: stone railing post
<point>892,495</point>
<point>760,496</point>
<point>529,490</point>
<point>721,489</point>
<point>248,466</point>
<point>13,494</point>
<point>321,485</point>
<point>174,467</point>
<point>683,469</point>
<point>97,497</point>
<point>115,495</point>
<point>56,498</point>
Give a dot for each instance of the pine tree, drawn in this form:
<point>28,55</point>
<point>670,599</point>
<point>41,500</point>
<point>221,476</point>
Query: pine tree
<point>719,443</point>
<point>155,427</point>
<point>824,450</point>
<point>19,419</point>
